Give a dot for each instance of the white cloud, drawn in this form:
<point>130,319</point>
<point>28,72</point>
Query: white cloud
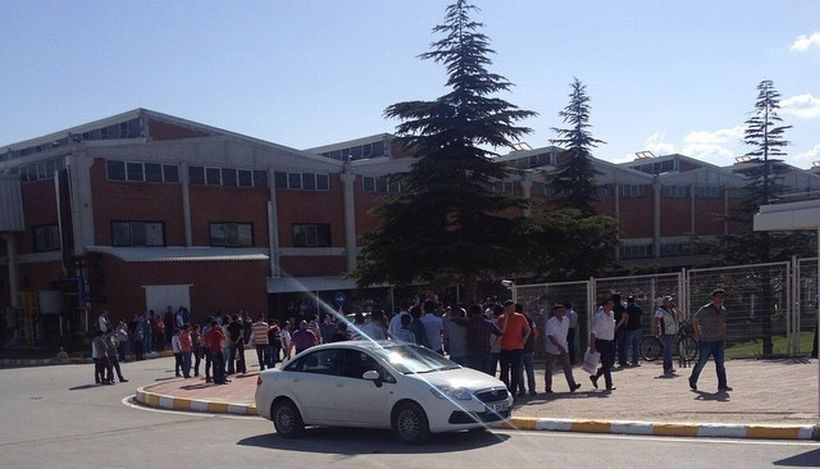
<point>717,146</point>
<point>805,106</point>
<point>713,137</point>
<point>804,41</point>
<point>657,145</point>
<point>811,154</point>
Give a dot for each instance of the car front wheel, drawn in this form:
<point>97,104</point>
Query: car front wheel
<point>286,419</point>
<point>410,423</point>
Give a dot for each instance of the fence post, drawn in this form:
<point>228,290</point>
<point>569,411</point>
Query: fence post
<point>793,318</point>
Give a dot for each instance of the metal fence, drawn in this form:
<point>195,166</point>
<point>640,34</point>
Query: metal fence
<point>770,305</point>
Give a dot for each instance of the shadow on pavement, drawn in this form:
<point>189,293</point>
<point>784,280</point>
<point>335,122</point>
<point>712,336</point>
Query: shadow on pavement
<point>188,387</point>
<point>809,459</point>
<point>366,441</point>
<point>720,396</point>
<point>84,386</point>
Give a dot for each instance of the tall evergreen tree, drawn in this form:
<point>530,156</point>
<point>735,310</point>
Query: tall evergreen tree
<point>446,226</point>
<point>762,169</point>
<point>766,136</point>
<point>574,180</point>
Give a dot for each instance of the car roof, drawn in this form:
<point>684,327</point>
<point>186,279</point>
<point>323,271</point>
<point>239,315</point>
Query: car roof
<point>359,344</point>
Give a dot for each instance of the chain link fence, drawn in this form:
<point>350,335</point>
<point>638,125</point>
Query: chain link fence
<point>772,307</point>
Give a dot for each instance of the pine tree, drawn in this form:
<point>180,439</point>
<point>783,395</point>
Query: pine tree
<point>766,136</point>
<point>574,180</point>
<point>446,226</point>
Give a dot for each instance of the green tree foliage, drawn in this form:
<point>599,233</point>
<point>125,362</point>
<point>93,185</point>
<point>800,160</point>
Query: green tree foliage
<point>574,180</point>
<point>763,169</point>
<point>766,137</point>
<point>566,243</point>
<point>449,225</point>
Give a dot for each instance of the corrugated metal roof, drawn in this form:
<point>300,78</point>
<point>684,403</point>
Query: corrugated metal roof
<point>11,205</point>
<point>182,254</point>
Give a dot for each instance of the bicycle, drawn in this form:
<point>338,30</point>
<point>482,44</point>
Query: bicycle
<point>685,344</point>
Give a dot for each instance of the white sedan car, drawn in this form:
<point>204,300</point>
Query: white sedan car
<point>392,385</point>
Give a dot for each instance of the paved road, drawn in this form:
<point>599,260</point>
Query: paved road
<point>53,418</point>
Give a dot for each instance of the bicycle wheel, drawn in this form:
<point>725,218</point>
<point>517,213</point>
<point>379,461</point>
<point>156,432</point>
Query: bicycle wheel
<point>650,348</point>
<point>687,348</point>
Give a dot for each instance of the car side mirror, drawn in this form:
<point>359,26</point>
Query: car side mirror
<point>373,375</point>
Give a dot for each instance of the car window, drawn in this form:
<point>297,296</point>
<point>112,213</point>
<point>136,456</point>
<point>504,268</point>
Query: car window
<point>326,361</point>
<point>412,359</point>
<point>357,362</point>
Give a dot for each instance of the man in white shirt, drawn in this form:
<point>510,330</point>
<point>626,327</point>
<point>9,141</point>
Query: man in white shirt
<point>395,322</point>
<point>602,339</point>
<point>556,334</point>
<point>434,327</point>
<point>374,329</point>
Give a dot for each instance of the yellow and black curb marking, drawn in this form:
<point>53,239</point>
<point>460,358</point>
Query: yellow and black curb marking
<point>161,401</point>
<point>779,432</point>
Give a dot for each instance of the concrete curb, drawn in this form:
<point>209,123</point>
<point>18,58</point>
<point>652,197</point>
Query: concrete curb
<point>689,429</point>
<point>161,401</point>
<point>31,362</point>
<point>622,427</point>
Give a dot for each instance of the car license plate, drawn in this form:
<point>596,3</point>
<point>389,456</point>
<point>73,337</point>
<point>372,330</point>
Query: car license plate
<point>498,407</point>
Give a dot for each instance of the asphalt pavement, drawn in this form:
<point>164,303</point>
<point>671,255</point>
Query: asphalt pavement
<point>775,399</point>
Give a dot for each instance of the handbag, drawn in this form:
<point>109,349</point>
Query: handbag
<point>591,360</point>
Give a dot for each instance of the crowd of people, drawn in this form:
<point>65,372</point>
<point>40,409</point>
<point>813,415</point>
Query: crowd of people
<point>493,337</point>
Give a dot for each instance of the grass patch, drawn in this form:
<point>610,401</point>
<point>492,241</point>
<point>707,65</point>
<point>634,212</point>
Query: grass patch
<point>780,347</point>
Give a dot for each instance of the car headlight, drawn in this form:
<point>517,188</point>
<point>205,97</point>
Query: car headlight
<point>448,392</point>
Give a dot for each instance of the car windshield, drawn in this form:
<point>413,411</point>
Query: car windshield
<point>411,359</point>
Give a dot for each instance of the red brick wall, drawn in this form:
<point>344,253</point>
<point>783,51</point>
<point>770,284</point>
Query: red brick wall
<point>135,201</point>
<point>38,276</point>
<point>295,206</point>
<point>313,266</point>
<point>675,217</point>
<point>225,286</point>
<point>636,216</point>
<point>216,204</point>
<point>40,208</point>
<point>708,216</point>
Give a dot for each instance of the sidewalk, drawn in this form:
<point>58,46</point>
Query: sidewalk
<point>771,399</point>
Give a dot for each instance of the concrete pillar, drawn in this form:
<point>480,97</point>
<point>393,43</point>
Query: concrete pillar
<point>526,189</point>
<point>348,196</point>
<point>185,181</point>
<point>82,210</point>
<point>656,217</point>
<point>14,273</point>
<point>273,227</point>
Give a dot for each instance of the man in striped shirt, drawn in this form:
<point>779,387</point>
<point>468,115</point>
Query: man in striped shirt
<point>259,335</point>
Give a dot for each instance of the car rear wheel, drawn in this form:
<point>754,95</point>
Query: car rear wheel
<point>286,418</point>
<point>410,423</point>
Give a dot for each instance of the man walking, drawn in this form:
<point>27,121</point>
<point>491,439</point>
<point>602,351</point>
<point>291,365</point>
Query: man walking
<point>667,317</point>
<point>515,330</point>
<point>556,333</point>
<point>633,329</point>
<point>710,330</point>
<point>602,339</point>
<point>261,341</point>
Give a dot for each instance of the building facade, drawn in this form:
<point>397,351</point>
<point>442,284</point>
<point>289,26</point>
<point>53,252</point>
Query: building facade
<point>145,211</point>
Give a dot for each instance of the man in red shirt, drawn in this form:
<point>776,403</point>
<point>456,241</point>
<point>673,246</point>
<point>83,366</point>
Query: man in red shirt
<point>515,330</point>
<point>213,342</point>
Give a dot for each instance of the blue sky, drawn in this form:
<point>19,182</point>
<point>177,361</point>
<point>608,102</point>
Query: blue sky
<point>665,76</point>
